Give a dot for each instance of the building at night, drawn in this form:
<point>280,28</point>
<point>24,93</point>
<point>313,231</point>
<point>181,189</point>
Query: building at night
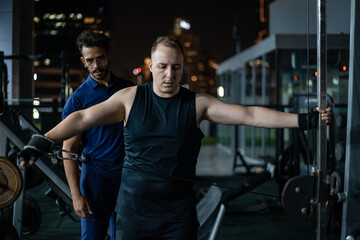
<point>199,72</point>
<point>56,27</point>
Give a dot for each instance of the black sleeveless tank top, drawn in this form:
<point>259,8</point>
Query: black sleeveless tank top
<point>162,143</point>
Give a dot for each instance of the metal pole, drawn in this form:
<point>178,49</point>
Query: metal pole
<point>321,99</point>
<point>351,208</point>
<point>3,83</point>
<point>217,223</point>
<point>64,94</point>
<point>17,220</point>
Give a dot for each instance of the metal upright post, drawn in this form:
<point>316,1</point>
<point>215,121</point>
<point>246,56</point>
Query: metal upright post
<point>321,99</point>
<point>351,208</point>
<point>17,220</point>
<point>64,94</point>
<point>2,83</point>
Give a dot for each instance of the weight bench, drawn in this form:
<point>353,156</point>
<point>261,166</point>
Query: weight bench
<point>210,211</point>
<point>211,208</point>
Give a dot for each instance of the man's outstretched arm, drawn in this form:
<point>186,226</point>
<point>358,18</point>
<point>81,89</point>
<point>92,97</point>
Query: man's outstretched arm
<point>107,112</point>
<point>215,110</point>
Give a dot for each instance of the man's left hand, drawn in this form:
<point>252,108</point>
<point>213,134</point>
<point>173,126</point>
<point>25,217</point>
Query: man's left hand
<point>326,114</point>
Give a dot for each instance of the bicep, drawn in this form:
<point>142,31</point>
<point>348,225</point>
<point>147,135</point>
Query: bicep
<point>107,112</point>
<point>221,112</point>
<point>256,116</point>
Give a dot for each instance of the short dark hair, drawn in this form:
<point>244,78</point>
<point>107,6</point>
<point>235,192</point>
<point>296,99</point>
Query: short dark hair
<point>167,41</point>
<point>93,39</point>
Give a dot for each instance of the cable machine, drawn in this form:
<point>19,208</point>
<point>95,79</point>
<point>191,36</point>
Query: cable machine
<point>302,193</point>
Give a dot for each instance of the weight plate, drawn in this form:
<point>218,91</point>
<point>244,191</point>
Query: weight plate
<point>31,220</point>
<point>10,182</point>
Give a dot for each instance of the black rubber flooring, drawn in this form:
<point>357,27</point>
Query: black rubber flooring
<point>249,216</point>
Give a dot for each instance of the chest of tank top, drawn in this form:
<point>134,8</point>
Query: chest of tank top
<point>161,133</point>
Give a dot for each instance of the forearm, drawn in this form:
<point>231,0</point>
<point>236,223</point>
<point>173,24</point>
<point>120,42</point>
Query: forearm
<point>71,167</point>
<point>72,173</point>
<point>73,125</point>
<point>232,114</point>
<point>269,118</point>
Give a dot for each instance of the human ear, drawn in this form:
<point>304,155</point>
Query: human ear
<point>150,65</point>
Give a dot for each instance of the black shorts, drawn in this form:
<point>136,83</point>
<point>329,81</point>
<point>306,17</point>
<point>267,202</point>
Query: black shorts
<point>130,229</point>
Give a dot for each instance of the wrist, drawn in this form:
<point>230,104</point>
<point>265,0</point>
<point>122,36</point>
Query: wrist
<point>308,121</point>
<point>302,122</point>
<point>76,195</point>
<point>40,143</point>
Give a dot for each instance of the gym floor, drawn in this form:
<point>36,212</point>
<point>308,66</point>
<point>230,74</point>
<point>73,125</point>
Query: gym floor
<point>249,216</point>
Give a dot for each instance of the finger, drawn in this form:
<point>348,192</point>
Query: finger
<point>23,163</point>
<point>78,208</point>
<point>84,214</point>
<point>81,212</point>
<point>88,208</point>
<point>320,110</point>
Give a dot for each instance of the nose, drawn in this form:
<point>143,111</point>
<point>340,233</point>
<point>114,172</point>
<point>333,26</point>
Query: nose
<point>170,72</point>
<point>95,63</point>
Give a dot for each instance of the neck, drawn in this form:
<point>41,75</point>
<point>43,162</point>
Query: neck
<point>163,94</point>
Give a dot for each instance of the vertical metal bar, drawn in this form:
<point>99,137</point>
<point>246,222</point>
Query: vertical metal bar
<point>64,93</point>
<point>321,99</point>
<point>253,97</point>
<point>351,207</point>
<point>17,220</point>
<point>243,101</point>
<point>263,100</point>
<point>279,132</point>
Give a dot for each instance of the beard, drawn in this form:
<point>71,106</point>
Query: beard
<point>99,73</point>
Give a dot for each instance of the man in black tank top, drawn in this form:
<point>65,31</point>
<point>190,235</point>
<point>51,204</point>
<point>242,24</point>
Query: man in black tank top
<point>162,143</point>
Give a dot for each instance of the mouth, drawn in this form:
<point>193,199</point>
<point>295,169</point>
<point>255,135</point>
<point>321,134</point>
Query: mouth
<point>168,84</point>
<point>98,72</point>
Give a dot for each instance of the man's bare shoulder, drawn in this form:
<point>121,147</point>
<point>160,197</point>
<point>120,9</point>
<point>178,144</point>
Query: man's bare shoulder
<point>205,102</point>
<point>126,92</point>
<point>202,102</point>
<point>203,98</point>
<point>126,96</point>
